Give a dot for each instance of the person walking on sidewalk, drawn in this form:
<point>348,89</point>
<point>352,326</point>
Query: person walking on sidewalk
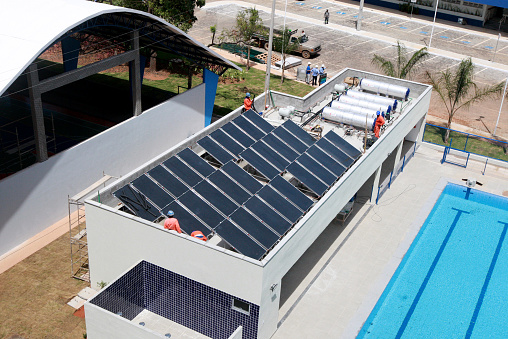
<point>327,16</point>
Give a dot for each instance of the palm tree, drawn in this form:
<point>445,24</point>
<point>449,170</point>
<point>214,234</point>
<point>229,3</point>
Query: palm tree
<point>403,67</point>
<point>458,90</point>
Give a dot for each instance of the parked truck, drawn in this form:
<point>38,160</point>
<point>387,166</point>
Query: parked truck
<point>306,47</point>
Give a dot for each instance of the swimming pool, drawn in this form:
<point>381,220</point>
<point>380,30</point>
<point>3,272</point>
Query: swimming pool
<point>453,281</point>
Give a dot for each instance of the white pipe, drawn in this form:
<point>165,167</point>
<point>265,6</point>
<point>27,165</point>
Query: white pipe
<point>360,15</point>
<point>433,24</point>
<point>500,108</point>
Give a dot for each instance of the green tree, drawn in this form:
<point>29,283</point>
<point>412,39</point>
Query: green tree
<point>177,12</point>
<point>213,30</point>
<point>285,44</point>
<point>248,23</point>
<point>458,90</point>
<point>404,66</point>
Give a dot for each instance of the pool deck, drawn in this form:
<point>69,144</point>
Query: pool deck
<point>345,281</point>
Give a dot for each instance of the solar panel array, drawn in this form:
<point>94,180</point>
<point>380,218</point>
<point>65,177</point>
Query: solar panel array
<point>247,214</point>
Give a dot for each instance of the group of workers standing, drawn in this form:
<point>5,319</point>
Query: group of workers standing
<point>172,224</point>
<point>314,72</point>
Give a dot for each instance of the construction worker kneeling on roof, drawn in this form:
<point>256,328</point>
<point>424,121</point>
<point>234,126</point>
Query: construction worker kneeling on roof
<point>199,235</point>
<point>171,222</point>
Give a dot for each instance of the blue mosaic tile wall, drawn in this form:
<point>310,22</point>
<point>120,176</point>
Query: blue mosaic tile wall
<point>194,305</point>
<point>125,295</point>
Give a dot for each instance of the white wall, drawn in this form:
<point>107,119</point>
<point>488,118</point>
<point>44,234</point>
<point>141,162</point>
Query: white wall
<point>104,324</point>
<point>117,241</point>
<point>36,197</point>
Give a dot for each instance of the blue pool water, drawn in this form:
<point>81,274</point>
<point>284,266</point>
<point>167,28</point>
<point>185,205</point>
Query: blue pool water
<point>453,281</point>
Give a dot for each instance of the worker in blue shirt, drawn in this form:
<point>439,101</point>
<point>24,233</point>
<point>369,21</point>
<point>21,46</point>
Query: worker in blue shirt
<point>307,73</point>
<point>315,73</point>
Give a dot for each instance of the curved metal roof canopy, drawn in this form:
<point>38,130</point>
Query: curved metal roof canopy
<point>29,27</point>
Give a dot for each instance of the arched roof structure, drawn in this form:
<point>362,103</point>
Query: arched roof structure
<point>29,27</point>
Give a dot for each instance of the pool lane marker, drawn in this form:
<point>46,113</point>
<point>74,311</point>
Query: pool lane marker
<point>486,282</point>
<point>429,273</point>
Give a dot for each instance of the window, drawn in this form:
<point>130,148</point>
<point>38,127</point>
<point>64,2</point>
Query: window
<point>241,306</point>
<point>472,4</point>
<point>452,1</point>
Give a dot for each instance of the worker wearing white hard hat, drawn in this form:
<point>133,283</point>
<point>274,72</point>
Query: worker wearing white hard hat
<point>315,73</point>
<point>307,73</point>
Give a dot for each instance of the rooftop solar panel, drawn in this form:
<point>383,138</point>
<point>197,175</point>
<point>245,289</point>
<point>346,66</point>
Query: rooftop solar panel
<point>184,172</point>
<point>137,203</point>
<point>228,186</point>
<point>204,211</point>
<point>243,178</point>
<point>257,120</point>
<point>227,142</point>
<point>299,132</point>
<point>152,191</point>
<point>196,162</point>
<point>270,155</point>
<point>215,197</point>
<point>280,204</point>
<point>287,152</point>
<point>249,128</point>
<point>307,178</point>
<point>215,150</point>
<point>317,169</point>
<point>238,134</point>
<point>290,139</point>
<point>260,164</point>
<point>291,193</point>
<point>168,181</point>
<point>345,146</point>
<point>254,227</point>
<point>188,222</point>
<point>239,240</point>
<point>268,215</point>
<point>330,163</point>
<point>334,152</point>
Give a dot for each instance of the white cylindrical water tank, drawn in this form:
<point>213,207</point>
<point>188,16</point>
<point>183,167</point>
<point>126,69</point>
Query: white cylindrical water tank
<point>363,103</point>
<point>372,98</point>
<point>342,106</point>
<point>339,88</point>
<point>384,88</point>
<point>348,118</point>
<point>284,112</point>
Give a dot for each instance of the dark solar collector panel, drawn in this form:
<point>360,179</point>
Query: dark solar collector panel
<point>307,178</point>
<point>215,197</point>
<point>238,134</point>
<point>168,181</point>
<point>152,191</point>
<point>305,137</point>
<point>137,203</point>
<point>199,207</point>
<point>327,161</point>
<point>254,227</point>
<point>227,142</point>
<point>260,164</point>
<point>275,143</point>
<point>249,128</point>
<point>345,146</point>
<point>188,222</point>
<point>243,178</point>
<point>229,187</point>
<point>317,169</point>
<point>334,152</point>
<point>280,204</point>
<point>291,192</point>
<point>196,162</point>
<point>184,172</point>
<point>270,155</point>
<point>290,139</point>
<point>239,240</point>
<point>257,120</point>
<point>215,150</point>
<point>268,215</point>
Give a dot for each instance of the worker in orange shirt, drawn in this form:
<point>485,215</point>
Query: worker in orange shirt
<point>199,235</point>
<point>380,121</point>
<point>171,223</point>
<point>247,102</point>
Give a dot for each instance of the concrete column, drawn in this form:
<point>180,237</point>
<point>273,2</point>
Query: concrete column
<point>375,185</point>
<point>41,151</point>
<point>135,75</point>
<point>419,139</point>
<point>70,53</point>
<point>398,152</point>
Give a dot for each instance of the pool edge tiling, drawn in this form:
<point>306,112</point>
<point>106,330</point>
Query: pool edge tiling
<point>450,282</point>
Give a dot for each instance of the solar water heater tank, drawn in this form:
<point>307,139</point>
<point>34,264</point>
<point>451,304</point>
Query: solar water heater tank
<point>345,107</point>
<point>372,98</point>
<point>384,88</point>
<point>348,118</point>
